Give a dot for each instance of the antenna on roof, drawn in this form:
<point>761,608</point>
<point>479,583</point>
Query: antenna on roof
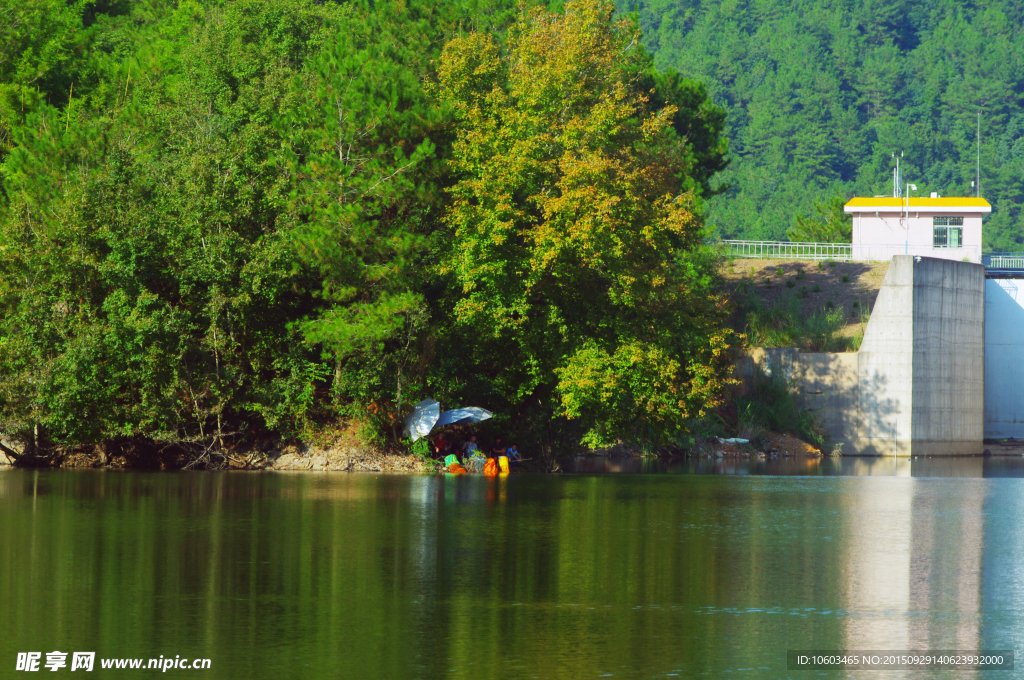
<point>897,177</point>
<point>977,172</point>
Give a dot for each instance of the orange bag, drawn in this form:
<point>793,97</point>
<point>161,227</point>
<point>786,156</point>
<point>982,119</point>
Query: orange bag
<point>491,467</point>
<point>503,464</point>
<point>456,469</point>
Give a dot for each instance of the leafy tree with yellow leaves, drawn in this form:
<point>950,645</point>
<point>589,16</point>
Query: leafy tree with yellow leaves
<point>576,233</point>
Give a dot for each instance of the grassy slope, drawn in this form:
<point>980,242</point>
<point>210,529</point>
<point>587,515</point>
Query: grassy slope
<point>758,285</point>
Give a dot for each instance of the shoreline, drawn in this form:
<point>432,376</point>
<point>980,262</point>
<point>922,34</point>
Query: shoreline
<point>346,457</point>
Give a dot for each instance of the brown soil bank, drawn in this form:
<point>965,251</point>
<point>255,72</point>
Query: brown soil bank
<point>342,456</point>
<point>763,280</point>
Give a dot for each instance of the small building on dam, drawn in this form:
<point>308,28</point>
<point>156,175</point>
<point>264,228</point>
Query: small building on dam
<point>948,228</point>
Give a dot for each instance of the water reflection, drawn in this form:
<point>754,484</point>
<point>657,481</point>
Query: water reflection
<point>637,576</point>
<point>847,466</point>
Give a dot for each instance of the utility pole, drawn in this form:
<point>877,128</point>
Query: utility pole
<point>906,224</point>
<point>977,171</point>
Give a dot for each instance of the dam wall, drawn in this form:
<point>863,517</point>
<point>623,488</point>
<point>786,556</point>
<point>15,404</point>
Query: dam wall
<point>917,385</point>
<point>1004,358</point>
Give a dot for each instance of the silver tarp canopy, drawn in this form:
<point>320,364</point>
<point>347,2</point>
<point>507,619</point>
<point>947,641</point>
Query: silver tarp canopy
<point>427,415</point>
<point>421,421</point>
<point>461,416</point>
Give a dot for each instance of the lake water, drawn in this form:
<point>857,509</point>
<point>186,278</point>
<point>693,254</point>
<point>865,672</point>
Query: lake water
<point>532,576</point>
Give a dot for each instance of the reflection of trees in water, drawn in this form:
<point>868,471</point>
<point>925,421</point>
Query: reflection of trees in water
<point>543,575</point>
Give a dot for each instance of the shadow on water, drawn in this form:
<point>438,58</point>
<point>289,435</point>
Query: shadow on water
<point>848,466</point>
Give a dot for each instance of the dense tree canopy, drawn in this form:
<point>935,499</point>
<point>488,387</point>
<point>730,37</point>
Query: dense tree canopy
<point>570,219</point>
<point>222,219</point>
<point>227,218</point>
<point>819,94</point>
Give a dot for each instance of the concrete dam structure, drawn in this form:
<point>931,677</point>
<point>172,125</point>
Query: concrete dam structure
<point>920,383</point>
<point>1004,358</point>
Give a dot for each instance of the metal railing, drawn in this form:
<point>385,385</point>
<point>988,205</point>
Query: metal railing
<point>1008,261</point>
<point>786,250</point>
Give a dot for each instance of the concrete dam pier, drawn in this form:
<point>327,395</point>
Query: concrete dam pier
<point>918,384</point>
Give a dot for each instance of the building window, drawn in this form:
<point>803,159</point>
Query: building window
<point>948,232</point>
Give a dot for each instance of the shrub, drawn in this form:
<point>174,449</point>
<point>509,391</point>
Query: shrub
<point>782,325</point>
<point>821,331</point>
<point>801,274</point>
<point>802,293</point>
<point>846,279</point>
<point>816,288</point>
<point>772,403</point>
<point>776,326</point>
<point>790,283</point>
<point>779,271</point>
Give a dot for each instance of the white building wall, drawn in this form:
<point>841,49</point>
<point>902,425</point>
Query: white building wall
<point>887,234</point>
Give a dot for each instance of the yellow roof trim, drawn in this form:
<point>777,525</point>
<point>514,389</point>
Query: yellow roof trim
<point>918,202</point>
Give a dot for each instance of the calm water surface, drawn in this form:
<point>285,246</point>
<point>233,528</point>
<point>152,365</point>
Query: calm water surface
<point>572,576</point>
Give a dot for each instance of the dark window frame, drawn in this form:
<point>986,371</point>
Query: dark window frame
<point>946,226</point>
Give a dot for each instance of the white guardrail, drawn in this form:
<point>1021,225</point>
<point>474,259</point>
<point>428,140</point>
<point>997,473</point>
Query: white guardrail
<point>1003,260</point>
<point>786,250</point>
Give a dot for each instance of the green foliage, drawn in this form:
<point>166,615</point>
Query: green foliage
<point>819,94</point>
<point>772,403</point>
<point>830,225</point>
<point>147,287</point>
<point>367,186</point>
<point>784,325</point>
<point>226,219</point>
<point>572,227</point>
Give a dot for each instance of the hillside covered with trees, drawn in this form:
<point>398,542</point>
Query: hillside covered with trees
<point>819,93</point>
<point>223,221</point>
<point>228,222</point>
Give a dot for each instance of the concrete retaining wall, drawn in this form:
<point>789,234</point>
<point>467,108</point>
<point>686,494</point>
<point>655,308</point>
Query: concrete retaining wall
<point>917,385</point>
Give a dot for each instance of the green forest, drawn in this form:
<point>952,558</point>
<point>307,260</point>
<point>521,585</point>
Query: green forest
<point>228,221</point>
<point>820,94</point>
<point>222,222</point>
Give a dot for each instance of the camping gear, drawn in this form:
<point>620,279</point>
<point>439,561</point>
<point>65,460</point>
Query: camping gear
<point>503,464</point>
<point>427,415</point>
<point>462,416</point>
<point>456,469</point>
<point>491,467</point>
<point>421,421</point>
<point>451,459</point>
<point>476,462</point>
